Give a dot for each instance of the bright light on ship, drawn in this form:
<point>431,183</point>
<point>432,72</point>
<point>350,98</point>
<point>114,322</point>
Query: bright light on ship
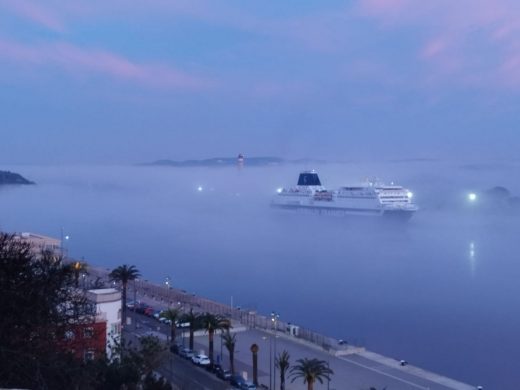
<point>410,194</point>
<point>200,189</point>
<point>472,197</point>
<point>279,190</point>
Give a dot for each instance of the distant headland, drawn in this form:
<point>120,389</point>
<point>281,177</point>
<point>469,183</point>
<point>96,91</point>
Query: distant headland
<point>220,161</point>
<point>230,161</point>
<point>7,177</point>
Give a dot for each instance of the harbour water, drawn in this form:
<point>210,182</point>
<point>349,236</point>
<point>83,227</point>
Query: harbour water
<point>440,292</point>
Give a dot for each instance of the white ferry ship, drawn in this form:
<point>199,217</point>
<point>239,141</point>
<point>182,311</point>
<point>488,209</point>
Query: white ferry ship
<point>371,199</point>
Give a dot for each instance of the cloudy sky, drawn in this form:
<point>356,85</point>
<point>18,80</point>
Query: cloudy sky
<point>133,81</point>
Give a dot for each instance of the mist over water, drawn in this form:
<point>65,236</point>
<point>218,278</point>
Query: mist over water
<point>440,291</point>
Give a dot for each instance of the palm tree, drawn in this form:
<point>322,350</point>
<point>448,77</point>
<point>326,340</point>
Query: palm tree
<point>282,363</point>
<point>230,341</point>
<point>194,319</point>
<point>212,323</point>
<point>173,316</point>
<point>311,370</point>
<point>124,274</point>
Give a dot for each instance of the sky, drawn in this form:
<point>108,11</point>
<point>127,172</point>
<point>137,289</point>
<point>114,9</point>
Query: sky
<point>113,81</point>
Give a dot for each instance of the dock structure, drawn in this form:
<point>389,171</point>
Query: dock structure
<point>354,367</point>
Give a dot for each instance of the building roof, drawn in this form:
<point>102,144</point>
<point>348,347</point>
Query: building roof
<point>104,295</point>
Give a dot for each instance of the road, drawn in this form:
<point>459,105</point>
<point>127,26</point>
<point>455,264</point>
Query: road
<point>358,371</point>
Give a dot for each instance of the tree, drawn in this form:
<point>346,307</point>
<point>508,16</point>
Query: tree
<point>230,341</point>
<point>311,370</point>
<point>135,369</point>
<point>282,363</point>
<point>150,354</point>
<point>123,274</point>
<point>211,323</point>
<point>40,305</point>
<point>173,316</point>
<point>194,319</point>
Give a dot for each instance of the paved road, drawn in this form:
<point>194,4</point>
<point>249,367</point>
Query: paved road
<point>352,372</point>
<point>184,374</point>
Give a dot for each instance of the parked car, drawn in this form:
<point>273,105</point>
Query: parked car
<point>248,386</point>
<point>186,353</point>
<point>176,348</point>
<point>225,375</point>
<point>142,308</point>
<point>201,360</point>
<point>237,381</point>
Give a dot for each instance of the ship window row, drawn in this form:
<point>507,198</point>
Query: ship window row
<point>357,196</point>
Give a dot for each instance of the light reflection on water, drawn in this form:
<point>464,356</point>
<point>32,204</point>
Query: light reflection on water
<point>440,292</point>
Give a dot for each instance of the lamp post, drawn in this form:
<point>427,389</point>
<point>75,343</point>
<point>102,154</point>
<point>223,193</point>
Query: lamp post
<point>221,359</point>
<point>64,238</point>
<point>274,320</point>
<point>270,360</point>
<point>328,377</point>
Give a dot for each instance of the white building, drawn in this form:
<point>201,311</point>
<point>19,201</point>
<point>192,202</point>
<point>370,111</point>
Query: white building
<point>108,307</point>
<point>40,243</point>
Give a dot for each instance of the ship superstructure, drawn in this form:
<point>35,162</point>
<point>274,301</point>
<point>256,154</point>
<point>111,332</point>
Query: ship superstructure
<point>371,199</point>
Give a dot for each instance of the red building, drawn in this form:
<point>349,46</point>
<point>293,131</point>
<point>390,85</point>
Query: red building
<point>87,341</point>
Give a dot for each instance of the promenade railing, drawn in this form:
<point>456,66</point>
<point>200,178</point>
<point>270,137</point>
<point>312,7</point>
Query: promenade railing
<point>173,297</point>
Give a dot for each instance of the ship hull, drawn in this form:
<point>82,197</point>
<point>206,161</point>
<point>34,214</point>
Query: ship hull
<point>403,215</point>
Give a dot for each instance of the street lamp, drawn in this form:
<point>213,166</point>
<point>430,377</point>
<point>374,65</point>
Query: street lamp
<point>64,238</point>
<point>274,320</point>
<point>270,360</point>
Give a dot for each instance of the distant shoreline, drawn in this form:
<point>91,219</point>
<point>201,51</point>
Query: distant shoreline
<point>7,177</point>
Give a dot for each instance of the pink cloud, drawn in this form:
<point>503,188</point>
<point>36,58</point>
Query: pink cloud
<point>80,61</point>
<point>433,48</point>
<point>463,41</point>
<point>34,12</point>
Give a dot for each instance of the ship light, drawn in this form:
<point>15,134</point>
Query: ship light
<point>199,188</point>
<point>279,190</point>
<point>472,197</point>
<point>409,194</point>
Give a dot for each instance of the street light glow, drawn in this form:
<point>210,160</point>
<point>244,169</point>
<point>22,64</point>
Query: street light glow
<point>472,197</point>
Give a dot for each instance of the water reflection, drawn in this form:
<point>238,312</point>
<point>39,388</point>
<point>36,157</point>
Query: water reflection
<point>472,258</point>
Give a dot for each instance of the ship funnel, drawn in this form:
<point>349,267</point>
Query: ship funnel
<point>309,179</point>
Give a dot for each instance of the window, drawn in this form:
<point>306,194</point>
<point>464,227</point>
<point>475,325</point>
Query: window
<point>89,355</point>
<point>69,335</point>
<point>88,333</point>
